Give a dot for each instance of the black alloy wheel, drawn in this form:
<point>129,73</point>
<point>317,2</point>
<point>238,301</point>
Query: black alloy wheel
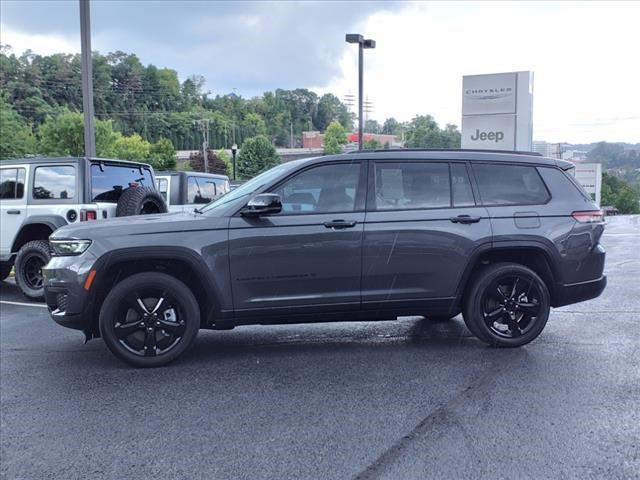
<point>31,257</point>
<point>32,274</point>
<point>511,304</point>
<point>508,305</point>
<point>149,319</point>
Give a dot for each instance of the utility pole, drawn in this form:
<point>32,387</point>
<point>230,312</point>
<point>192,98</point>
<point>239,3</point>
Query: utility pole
<point>291,134</point>
<point>87,80</point>
<point>362,44</point>
<point>203,123</point>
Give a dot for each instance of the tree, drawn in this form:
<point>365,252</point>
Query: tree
<point>256,155</point>
<point>16,138</point>
<point>391,127</point>
<point>253,125</point>
<point>372,126</point>
<point>424,132</point>
<point>372,144</point>
<point>63,135</point>
<point>133,147</point>
<point>330,109</point>
<point>620,194</point>
<point>334,137</point>
<point>162,155</point>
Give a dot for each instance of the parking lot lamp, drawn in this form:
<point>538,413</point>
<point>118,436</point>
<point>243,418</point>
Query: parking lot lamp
<point>234,150</point>
<point>362,44</point>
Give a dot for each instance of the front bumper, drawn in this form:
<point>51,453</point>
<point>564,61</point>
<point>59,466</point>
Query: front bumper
<point>579,292</point>
<point>68,302</point>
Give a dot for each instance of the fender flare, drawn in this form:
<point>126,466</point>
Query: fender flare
<point>53,222</point>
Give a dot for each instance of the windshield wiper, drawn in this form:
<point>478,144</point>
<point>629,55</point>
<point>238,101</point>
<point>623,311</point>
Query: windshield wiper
<point>197,210</point>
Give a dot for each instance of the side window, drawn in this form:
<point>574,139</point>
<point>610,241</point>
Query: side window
<point>412,185</point>
<point>462,194</point>
<point>200,190</point>
<point>510,185</point>
<point>54,182</point>
<point>323,189</point>
<point>12,183</point>
<point>222,186</point>
<point>109,181</point>
<point>162,186</point>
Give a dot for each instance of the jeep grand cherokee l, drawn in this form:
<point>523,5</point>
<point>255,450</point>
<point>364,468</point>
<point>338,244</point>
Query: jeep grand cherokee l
<point>498,237</point>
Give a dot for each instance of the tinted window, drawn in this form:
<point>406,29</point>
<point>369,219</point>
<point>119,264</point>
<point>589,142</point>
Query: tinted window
<point>405,186</point>
<point>12,183</point>
<point>54,182</point>
<point>510,185</point>
<point>323,189</point>
<point>200,190</point>
<point>108,182</point>
<point>162,186</point>
<point>461,186</point>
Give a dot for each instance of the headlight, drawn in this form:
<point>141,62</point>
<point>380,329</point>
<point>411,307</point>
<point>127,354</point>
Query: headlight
<point>69,247</point>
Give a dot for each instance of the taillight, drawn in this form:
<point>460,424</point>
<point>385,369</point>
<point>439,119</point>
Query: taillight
<point>589,216</point>
<point>88,215</point>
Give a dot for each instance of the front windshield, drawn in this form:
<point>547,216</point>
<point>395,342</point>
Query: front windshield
<point>251,186</point>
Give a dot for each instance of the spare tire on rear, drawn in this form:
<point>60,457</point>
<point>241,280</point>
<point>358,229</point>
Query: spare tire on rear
<point>140,201</point>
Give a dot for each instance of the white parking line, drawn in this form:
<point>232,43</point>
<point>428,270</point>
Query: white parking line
<point>23,304</point>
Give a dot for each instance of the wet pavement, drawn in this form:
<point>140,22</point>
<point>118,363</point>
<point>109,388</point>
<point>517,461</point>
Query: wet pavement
<point>403,399</point>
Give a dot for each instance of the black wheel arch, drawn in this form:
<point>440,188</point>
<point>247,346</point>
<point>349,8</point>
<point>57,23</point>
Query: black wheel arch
<point>179,262</point>
<point>536,255</point>
<point>37,227</point>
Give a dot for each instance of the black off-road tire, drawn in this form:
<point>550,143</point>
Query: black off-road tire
<point>29,262</point>
<point>5,270</point>
<point>474,314</point>
<point>140,201</point>
<point>119,300</point>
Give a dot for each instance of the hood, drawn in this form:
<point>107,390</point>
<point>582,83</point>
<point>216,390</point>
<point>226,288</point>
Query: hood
<point>140,224</point>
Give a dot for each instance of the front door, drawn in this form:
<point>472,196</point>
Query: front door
<point>308,258</point>
<point>422,226</point>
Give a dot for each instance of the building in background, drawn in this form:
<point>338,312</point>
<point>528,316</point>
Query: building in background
<point>316,139</point>
<point>545,149</point>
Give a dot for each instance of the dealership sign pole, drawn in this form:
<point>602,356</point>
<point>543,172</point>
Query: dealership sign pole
<point>497,111</point>
<point>87,80</point>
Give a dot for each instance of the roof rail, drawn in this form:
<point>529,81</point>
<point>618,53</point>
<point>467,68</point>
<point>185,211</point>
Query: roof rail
<point>476,150</point>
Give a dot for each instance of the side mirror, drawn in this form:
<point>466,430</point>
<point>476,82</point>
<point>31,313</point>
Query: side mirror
<point>263,204</point>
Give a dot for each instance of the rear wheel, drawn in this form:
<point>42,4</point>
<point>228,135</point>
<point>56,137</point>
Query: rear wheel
<point>29,262</point>
<point>507,306</point>
<point>149,319</point>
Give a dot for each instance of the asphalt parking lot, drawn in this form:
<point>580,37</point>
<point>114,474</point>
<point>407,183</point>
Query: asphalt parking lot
<point>406,399</point>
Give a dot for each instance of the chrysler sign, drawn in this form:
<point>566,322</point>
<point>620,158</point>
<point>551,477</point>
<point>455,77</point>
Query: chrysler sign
<point>496,111</point>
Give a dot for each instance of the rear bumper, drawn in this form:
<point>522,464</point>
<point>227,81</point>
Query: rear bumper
<point>579,292</point>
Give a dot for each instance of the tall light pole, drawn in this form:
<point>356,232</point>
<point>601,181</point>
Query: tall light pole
<point>87,80</point>
<point>362,44</point>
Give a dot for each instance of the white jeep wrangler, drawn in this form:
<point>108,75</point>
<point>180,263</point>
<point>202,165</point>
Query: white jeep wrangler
<point>39,195</point>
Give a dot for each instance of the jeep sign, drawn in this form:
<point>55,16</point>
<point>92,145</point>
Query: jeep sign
<point>496,111</point>
<point>488,132</point>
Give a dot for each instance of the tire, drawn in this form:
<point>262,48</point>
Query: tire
<point>508,305</point>
<point>127,332</point>
<point>140,201</point>
<point>5,270</point>
<point>29,262</point>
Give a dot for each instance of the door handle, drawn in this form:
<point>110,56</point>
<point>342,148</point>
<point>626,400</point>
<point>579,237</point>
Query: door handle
<point>340,224</point>
<point>13,212</point>
<point>465,219</point>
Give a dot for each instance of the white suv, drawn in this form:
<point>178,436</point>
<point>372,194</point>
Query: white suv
<point>39,195</point>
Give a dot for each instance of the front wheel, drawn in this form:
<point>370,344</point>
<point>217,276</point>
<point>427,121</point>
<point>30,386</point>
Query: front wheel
<point>508,305</point>
<point>149,319</point>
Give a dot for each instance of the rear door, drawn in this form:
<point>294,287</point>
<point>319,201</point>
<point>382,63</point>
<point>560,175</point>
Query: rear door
<point>109,180</point>
<point>422,225</point>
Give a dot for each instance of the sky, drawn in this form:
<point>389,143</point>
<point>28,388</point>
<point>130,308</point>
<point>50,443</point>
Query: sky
<point>584,55</point>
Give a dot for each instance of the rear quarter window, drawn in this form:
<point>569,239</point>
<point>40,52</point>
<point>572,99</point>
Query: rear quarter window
<point>55,182</point>
<point>510,185</point>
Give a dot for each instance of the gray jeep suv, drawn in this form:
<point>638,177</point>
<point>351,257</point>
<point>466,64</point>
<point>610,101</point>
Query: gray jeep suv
<point>497,236</point>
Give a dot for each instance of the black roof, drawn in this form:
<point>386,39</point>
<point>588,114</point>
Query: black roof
<point>459,154</point>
